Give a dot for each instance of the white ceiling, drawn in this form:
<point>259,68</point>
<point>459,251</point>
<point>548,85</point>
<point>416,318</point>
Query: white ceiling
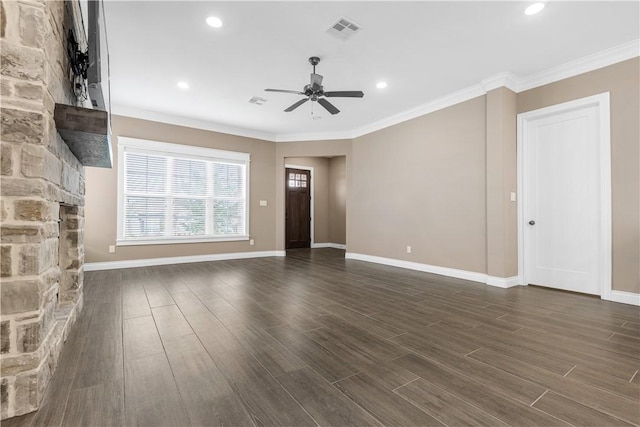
<point>424,50</point>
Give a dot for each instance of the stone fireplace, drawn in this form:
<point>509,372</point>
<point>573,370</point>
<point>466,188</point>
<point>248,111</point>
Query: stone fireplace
<point>42,214</point>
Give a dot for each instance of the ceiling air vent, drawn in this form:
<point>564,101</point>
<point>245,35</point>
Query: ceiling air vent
<point>257,100</point>
<point>344,28</point>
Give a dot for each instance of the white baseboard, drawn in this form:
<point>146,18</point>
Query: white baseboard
<point>501,282</point>
<point>444,271</point>
<point>328,245</point>
<point>622,297</point>
<point>132,263</point>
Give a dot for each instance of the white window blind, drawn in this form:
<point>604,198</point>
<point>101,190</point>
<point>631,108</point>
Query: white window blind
<point>174,193</point>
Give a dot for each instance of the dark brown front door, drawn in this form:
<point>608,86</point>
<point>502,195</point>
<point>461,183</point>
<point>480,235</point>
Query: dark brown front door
<point>298,211</point>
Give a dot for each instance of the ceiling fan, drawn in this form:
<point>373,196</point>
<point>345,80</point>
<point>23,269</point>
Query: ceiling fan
<point>314,91</point>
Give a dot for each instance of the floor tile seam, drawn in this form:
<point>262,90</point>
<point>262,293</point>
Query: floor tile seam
<point>275,378</point>
<point>461,398</point>
<point>391,391</point>
<point>173,375</point>
<point>304,362</point>
<point>242,400</point>
<point>569,371</point>
<point>75,370</point>
<point>606,390</point>
<point>555,390</point>
<point>539,397</point>
<point>347,377</point>
<point>331,384</point>
<point>457,372</point>
<point>594,406</point>
<point>407,383</point>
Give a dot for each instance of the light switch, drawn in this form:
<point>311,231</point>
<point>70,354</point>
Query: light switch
<point>263,203</point>
<point>513,196</point>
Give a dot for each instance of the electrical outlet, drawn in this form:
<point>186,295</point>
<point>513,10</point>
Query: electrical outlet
<point>513,196</point>
<point>408,249</point>
<point>263,203</point>
<point>252,242</point>
<point>112,249</point>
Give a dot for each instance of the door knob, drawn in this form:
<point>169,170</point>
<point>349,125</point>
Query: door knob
<point>532,222</point>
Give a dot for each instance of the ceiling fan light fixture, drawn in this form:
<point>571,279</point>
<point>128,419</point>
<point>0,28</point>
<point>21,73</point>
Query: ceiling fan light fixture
<point>214,21</point>
<point>381,85</point>
<point>534,8</point>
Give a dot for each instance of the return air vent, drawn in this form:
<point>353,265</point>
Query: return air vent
<point>257,100</point>
<point>344,28</point>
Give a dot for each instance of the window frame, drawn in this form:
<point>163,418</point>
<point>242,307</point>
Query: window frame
<point>182,151</point>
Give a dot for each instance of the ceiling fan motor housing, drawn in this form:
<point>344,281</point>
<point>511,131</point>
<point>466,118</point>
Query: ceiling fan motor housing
<point>309,91</point>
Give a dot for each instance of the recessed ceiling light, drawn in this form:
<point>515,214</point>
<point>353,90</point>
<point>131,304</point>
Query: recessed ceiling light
<point>381,85</point>
<point>534,8</point>
<point>214,21</point>
<point>183,85</point>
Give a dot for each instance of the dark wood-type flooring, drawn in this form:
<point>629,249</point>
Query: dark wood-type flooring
<point>314,339</point>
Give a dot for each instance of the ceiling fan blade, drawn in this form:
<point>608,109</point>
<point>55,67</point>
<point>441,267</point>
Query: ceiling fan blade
<point>316,81</point>
<point>297,92</point>
<point>328,106</point>
<point>296,105</point>
<point>345,94</point>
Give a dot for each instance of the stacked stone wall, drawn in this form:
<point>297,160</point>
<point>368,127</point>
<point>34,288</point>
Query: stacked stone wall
<point>41,183</point>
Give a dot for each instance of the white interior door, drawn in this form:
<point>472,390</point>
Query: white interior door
<point>561,200</point>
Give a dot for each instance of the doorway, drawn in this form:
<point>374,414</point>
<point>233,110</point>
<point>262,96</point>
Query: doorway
<point>298,227</point>
<point>564,179</point>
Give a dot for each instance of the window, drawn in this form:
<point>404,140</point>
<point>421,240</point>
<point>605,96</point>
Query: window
<point>297,180</point>
<point>171,193</point>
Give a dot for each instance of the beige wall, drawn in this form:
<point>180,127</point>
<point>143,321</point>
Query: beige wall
<point>622,81</point>
<point>502,213</point>
<point>101,194</point>
<point>320,184</point>
<point>422,183</point>
<point>338,200</point>
<point>284,150</point>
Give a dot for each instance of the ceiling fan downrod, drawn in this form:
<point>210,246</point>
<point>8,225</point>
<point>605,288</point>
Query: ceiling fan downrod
<point>314,60</point>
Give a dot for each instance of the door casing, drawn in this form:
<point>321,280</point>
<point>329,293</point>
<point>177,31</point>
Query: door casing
<point>601,101</point>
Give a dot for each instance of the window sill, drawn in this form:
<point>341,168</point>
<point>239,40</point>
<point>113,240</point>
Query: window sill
<point>175,240</point>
